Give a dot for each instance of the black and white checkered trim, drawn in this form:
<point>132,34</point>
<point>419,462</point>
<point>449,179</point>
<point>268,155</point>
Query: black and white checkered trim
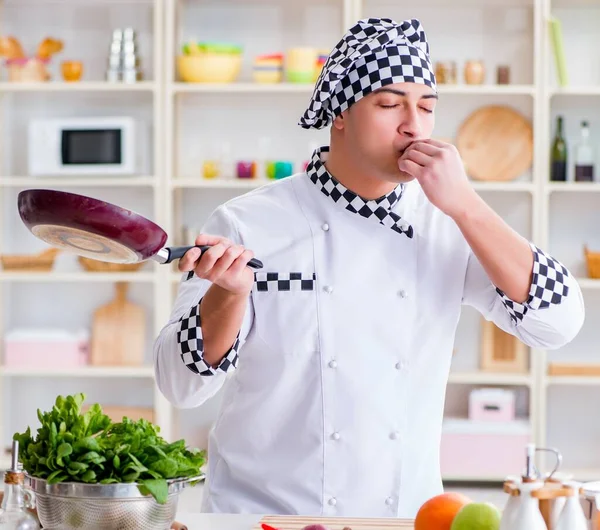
<point>280,281</point>
<point>548,286</point>
<point>189,338</point>
<point>373,53</point>
<point>377,209</point>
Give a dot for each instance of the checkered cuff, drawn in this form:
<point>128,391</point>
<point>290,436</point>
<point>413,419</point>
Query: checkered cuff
<point>189,338</point>
<point>548,286</point>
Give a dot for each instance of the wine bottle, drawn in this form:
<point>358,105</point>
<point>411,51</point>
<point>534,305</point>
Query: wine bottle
<point>558,162</point>
<point>584,156</point>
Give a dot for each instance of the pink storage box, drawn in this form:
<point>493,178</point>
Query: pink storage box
<point>483,449</point>
<point>45,349</point>
<point>492,404</point>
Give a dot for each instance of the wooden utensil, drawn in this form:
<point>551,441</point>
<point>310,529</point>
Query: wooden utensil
<point>118,332</point>
<point>496,143</point>
<point>293,522</point>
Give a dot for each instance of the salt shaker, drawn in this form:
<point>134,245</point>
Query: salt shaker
<point>556,505</point>
<point>512,505</point>
<point>572,516</point>
<point>527,515</point>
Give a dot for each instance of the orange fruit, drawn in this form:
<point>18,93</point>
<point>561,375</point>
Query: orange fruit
<point>438,512</point>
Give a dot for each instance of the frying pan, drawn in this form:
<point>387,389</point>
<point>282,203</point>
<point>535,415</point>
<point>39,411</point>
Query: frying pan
<point>97,229</point>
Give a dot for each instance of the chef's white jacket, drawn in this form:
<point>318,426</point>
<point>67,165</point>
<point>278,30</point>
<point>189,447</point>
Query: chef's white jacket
<point>334,391</point>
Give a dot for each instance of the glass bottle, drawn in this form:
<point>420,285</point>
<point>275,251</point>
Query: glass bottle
<point>584,156</point>
<point>13,513</point>
<point>558,162</point>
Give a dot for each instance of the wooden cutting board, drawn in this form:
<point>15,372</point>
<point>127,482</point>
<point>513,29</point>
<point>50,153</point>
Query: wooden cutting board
<point>118,332</point>
<point>496,143</point>
<point>293,522</point>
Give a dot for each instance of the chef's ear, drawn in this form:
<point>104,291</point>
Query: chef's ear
<point>339,121</point>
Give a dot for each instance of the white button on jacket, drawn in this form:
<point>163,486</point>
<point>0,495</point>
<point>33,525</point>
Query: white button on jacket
<point>273,448</point>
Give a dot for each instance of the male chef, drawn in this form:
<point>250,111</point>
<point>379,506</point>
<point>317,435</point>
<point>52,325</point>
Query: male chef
<point>334,357</point>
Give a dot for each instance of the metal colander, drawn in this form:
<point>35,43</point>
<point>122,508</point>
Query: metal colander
<point>76,506</point>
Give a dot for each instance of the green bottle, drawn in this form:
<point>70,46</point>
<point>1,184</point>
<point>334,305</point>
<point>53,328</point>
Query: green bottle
<point>558,161</point>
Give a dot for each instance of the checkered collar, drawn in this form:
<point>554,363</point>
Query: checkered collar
<point>378,209</point>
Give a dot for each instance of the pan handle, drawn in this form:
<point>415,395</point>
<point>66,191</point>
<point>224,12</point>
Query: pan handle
<point>178,252</point>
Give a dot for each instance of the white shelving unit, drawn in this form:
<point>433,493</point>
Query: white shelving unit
<point>85,29</point>
<point>188,118</point>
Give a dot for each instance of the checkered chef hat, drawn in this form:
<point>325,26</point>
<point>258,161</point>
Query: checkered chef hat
<point>373,53</point>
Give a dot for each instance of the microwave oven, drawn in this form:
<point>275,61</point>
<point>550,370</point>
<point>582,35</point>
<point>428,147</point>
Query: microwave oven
<point>85,146</point>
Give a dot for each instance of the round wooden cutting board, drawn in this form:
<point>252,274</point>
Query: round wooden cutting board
<point>496,143</point>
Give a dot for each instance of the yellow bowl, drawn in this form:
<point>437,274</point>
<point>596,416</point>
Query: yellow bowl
<point>209,67</point>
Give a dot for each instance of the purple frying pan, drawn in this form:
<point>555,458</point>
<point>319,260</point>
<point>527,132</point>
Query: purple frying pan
<point>97,229</point>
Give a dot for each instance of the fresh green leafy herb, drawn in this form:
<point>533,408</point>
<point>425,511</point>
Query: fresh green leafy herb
<point>88,447</point>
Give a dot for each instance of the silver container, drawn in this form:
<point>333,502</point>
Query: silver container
<point>78,506</point>
<point>131,76</point>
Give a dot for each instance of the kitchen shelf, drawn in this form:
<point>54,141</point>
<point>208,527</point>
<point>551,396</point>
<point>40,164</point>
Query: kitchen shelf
<point>80,86</point>
<point>83,277</point>
<point>232,183</point>
<point>489,378</point>
<point>583,475</point>
<point>573,187</point>
<point>576,90</point>
<point>225,183</point>
<point>488,90</point>
<point>248,88</point>
<point>588,283</point>
<point>258,88</point>
<point>528,187</point>
<point>136,372</point>
<point>573,380</point>
<point>51,182</point>
<point>491,479</point>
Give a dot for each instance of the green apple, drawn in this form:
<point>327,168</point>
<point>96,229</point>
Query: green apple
<point>477,516</point>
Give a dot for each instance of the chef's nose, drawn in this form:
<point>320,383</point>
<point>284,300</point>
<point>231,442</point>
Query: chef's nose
<point>409,126</point>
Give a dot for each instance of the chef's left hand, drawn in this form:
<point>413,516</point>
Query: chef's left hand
<point>440,171</point>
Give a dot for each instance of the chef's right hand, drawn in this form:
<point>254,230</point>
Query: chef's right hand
<point>224,264</point>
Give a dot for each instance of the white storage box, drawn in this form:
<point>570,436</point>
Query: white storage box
<point>492,404</point>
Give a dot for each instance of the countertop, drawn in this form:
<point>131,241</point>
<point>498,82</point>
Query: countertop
<point>210,521</point>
